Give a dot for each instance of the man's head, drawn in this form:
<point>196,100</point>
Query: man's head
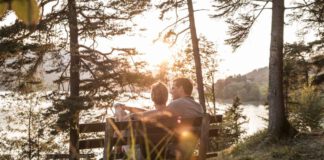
<point>159,93</point>
<point>181,87</point>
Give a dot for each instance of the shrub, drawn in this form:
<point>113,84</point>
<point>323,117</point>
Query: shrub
<point>306,109</point>
<point>233,121</point>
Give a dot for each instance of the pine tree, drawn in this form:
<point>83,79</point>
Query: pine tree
<point>279,126</point>
<point>232,122</point>
<point>103,75</point>
<point>25,133</point>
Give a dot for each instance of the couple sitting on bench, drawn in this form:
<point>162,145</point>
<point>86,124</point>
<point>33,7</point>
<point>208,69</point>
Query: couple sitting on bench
<point>182,105</point>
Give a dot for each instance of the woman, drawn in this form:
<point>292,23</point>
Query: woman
<point>159,96</point>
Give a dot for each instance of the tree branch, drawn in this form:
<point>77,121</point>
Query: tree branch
<point>89,69</point>
<point>177,35</point>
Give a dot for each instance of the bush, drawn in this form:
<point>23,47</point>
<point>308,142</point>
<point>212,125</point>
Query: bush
<point>306,109</point>
<point>233,121</point>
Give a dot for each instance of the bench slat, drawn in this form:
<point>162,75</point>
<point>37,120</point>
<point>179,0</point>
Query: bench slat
<point>211,154</point>
<point>213,132</point>
<point>216,119</point>
<point>91,143</point>
<point>59,156</point>
<point>55,156</point>
<point>166,123</point>
<point>92,127</point>
<point>99,143</point>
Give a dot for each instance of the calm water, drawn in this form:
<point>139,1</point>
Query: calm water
<point>252,111</point>
<point>254,114</point>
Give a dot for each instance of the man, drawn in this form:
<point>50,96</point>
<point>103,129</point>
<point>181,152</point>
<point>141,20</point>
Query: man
<point>183,104</point>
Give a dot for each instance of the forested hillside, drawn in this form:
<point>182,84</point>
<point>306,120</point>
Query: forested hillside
<point>259,76</point>
<point>249,87</point>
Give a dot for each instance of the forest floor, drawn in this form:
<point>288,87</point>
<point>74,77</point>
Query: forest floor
<point>304,146</point>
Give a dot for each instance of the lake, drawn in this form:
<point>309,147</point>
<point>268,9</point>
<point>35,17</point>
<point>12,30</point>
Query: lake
<point>254,112</point>
<point>14,106</point>
<point>255,115</point>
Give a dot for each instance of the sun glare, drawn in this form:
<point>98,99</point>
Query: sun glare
<point>158,53</point>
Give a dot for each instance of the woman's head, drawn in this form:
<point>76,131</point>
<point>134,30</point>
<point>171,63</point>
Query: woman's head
<point>159,93</point>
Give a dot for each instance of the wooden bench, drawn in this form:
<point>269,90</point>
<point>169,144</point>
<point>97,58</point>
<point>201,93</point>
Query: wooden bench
<point>144,133</point>
<point>66,156</point>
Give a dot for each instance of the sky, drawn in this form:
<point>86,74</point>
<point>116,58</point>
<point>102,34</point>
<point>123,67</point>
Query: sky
<point>253,53</point>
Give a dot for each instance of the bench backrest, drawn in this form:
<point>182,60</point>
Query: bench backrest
<point>166,130</point>
<point>153,135</point>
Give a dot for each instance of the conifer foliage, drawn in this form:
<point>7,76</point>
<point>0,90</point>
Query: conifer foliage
<point>87,77</point>
<point>25,132</point>
<point>233,121</point>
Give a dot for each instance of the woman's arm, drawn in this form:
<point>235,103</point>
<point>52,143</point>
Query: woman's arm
<point>152,115</point>
<point>133,109</point>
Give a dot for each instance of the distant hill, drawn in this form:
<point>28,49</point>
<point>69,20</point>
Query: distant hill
<point>249,87</point>
<point>259,76</point>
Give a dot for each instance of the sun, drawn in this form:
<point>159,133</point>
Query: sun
<point>157,53</point>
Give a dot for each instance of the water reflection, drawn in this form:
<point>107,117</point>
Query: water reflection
<point>255,115</point>
<point>253,112</point>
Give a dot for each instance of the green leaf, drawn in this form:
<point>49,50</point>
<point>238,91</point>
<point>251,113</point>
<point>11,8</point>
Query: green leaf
<point>26,10</point>
<point>3,8</point>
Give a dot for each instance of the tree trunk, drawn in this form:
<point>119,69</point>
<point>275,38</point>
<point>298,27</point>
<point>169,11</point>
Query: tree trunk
<point>213,93</point>
<point>279,126</point>
<point>306,75</point>
<point>29,134</point>
<point>74,80</point>
<point>196,54</point>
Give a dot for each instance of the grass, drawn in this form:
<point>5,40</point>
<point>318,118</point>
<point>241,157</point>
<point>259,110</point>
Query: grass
<point>303,147</point>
